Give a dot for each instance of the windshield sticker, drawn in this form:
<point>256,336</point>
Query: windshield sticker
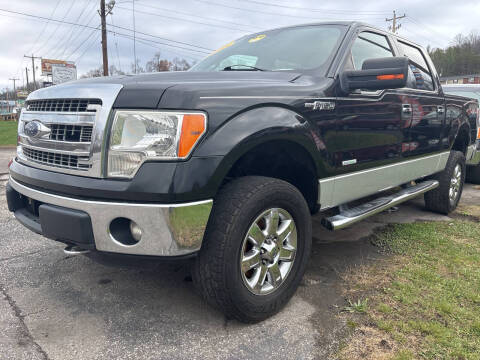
<point>223,47</point>
<point>257,38</point>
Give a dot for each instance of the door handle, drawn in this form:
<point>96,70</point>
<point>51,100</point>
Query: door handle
<point>440,109</point>
<point>407,109</point>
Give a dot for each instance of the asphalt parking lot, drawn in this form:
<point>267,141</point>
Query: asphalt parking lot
<point>54,306</point>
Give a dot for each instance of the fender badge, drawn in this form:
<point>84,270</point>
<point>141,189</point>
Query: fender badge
<point>321,105</point>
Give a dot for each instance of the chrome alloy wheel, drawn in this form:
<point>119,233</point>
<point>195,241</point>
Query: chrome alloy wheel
<point>268,251</point>
<point>455,183</point>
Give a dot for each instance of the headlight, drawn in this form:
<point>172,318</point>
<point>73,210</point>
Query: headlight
<point>138,136</point>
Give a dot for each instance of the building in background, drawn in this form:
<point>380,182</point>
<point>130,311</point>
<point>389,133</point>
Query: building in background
<point>461,79</point>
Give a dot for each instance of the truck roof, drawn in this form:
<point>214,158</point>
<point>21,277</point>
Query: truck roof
<point>350,24</point>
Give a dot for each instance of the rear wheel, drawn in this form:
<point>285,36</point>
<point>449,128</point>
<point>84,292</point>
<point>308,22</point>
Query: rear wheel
<point>445,198</point>
<point>255,249</point>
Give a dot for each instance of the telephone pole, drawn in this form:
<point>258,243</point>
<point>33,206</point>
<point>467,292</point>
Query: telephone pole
<point>394,27</point>
<point>33,68</point>
<point>104,38</point>
<point>14,87</point>
<point>26,74</point>
<point>105,10</point>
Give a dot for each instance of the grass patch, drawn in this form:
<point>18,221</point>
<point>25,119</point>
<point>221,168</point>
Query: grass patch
<point>359,306</point>
<point>8,133</point>
<point>428,303</point>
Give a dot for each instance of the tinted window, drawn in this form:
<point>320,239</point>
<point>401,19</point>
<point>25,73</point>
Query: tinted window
<point>369,45</point>
<point>297,48</point>
<point>419,76</point>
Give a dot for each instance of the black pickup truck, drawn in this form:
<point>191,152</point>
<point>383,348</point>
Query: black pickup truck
<point>226,163</point>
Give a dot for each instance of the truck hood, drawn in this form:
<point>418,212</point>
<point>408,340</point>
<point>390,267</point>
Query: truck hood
<point>146,90</point>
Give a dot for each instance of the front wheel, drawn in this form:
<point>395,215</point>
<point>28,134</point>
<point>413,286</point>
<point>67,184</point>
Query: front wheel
<point>445,198</point>
<point>255,249</point>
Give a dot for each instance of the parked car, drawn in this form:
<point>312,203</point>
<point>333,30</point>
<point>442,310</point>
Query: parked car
<point>226,162</point>
<point>473,158</point>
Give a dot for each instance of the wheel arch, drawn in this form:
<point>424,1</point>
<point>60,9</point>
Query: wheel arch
<point>267,141</point>
<point>462,139</point>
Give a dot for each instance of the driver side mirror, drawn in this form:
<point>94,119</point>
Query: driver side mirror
<point>376,74</point>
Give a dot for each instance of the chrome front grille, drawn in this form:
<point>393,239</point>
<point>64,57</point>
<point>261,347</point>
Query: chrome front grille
<point>68,133</point>
<point>67,161</point>
<point>62,105</point>
<point>71,133</point>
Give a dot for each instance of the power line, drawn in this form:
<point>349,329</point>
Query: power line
<point>50,19</point>
<point>187,20</point>
<point>116,26</point>
<point>84,41</point>
<point>161,43</point>
<point>67,39</point>
<point>333,11</point>
<point>260,11</point>
<point>95,38</point>
<point>45,27</point>
<point>161,38</point>
<point>116,45</point>
<point>88,35</point>
<point>195,15</point>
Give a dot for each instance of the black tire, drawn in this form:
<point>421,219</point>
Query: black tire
<point>217,273</point>
<point>439,200</point>
<point>473,174</point>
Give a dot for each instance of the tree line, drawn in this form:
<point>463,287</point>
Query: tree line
<point>462,57</point>
<point>156,64</point>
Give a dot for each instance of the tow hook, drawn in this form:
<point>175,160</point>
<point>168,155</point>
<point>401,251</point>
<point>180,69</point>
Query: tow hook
<point>73,250</point>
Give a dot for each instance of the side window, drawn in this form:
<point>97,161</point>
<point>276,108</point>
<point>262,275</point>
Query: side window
<point>419,76</point>
<point>369,45</point>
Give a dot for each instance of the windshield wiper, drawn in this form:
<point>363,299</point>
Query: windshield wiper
<point>248,68</point>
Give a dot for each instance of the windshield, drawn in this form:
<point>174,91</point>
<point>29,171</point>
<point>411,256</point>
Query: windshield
<point>298,48</point>
<point>471,93</point>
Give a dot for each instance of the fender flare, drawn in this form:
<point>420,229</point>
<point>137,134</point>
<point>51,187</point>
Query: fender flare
<point>254,127</point>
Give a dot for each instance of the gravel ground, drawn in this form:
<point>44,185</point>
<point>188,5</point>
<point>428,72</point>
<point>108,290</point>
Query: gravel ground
<point>54,306</point>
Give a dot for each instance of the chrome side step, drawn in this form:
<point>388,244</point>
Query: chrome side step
<point>350,216</point>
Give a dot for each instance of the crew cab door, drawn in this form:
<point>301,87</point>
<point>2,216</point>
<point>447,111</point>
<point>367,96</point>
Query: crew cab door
<point>370,130</point>
<point>370,127</point>
<point>425,101</point>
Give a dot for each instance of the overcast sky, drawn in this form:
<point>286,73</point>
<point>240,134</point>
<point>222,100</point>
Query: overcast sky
<point>197,25</point>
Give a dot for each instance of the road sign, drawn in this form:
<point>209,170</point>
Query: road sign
<point>61,74</point>
<point>47,65</point>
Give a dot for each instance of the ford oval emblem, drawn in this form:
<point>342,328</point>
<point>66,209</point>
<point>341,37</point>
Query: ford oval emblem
<point>35,129</point>
<point>32,129</point>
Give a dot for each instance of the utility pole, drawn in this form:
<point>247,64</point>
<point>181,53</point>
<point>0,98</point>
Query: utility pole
<point>14,87</point>
<point>33,68</point>
<point>394,27</point>
<point>26,74</point>
<point>104,12</point>
<point>104,38</point>
<point>134,39</point>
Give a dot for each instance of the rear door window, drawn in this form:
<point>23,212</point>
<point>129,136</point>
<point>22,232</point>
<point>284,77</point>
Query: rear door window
<point>419,75</point>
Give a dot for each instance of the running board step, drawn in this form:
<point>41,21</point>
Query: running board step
<point>360,212</point>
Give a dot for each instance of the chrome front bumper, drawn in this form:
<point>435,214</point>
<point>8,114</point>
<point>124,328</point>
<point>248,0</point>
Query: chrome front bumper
<point>167,230</point>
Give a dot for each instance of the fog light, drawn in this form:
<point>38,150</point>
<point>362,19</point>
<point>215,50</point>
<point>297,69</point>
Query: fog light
<point>136,231</point>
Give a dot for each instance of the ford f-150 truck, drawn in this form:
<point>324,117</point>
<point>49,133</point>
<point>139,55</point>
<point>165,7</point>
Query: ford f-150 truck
<point>226,163</point>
